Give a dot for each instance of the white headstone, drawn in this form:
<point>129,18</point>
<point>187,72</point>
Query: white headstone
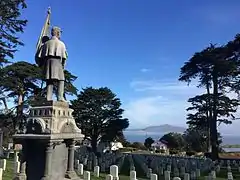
<point>161,171</point>
<point>169,168</point>
<point>133,175</point>
<point>229,168</point>
<point>86,175</point>
<point>96,171</point>
<point>176,172</point>
<point>132,168</point>
<point>80,169</point>
<point>167,175</point>
<point>114,172</point>
<point>186,176</point>
<point>176,178</point>
<point>85,161</point>
<point>182,170</point>
<point>154,177</point>
<point>213,174</point>
<point>3,164</point>
<point>149,172</point>
<point>1,174</point>
<point>77,162</point>
<point>16,158</point>
<point>193,175</point>
<point>198,173</point>
<point>16,167</point>
<point>230,176</point>
<point>109,177</point>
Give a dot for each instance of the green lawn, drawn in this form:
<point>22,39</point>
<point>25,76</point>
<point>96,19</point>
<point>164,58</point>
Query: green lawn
<point>9,173</point>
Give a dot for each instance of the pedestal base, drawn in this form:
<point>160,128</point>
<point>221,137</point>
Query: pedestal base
<point>20,177</point>
<point>48,142</point>
<point>71,175</point>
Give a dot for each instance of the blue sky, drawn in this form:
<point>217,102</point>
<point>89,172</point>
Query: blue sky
<point>135,47</point>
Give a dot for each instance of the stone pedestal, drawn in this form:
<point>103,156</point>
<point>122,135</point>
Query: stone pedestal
<point>48,143</point>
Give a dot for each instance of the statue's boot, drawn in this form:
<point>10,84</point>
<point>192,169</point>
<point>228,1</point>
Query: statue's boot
<point>49,92</point>
<point>61,91</point>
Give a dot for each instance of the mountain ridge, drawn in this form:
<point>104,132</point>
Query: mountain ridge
<point>161,128</point>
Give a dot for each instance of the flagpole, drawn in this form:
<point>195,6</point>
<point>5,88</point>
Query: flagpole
<point>45,32</point>
<point>45,29</point>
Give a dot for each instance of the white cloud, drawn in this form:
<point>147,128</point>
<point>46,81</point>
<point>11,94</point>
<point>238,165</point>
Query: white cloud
<point>167,89</point>
<point>144,70</point>
<point>165,103</point>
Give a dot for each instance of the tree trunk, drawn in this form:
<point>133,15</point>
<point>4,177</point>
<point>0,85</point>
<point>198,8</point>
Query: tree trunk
<point>209,116</point>
<point>19,120</point>
<point>213,127</point>
<point>94,145</point>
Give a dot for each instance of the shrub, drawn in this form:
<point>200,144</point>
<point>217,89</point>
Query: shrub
<point>173,151</point>
<point>190,153</point>
<point>162,151</point>
<point>126,149</point>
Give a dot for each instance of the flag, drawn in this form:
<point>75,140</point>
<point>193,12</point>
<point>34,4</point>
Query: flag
<point>45,30</point>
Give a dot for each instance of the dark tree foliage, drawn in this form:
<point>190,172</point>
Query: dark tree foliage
<point>98,114</point>
<point>6,125</point>
<point>138,145</point>
<point>19,81</point>
<point>148,142</point>
<point>202,104</point>
<point>173,140</point>
<point>70,89</point>
<point>121,138</point>
<point>196,140</point>
<point>10,26</point>
<point>216,68</point>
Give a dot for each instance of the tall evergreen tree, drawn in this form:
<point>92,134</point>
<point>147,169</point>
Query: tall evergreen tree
<point>98,114</point>
<point>215,70</point>
<point>11,25</point>
<point>19,81</point>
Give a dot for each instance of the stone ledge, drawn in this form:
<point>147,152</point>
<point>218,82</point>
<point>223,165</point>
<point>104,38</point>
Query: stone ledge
<point>50,103</point>
<point>57,136</point>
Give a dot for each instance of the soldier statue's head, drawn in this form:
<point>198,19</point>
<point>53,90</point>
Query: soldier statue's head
<point>56,31</point>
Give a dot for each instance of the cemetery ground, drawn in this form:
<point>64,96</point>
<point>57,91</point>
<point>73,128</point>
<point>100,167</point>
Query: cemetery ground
<point>125,168</point>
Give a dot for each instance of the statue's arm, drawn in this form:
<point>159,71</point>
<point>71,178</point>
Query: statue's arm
<point>65,56</point>
<point>38,57</point>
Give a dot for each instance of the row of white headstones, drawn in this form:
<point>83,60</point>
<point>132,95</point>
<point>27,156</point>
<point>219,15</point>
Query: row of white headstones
<point>3,165</point>
<point>114,173</point>
<point>194,174</point>
<point>167,172</point>
<point>114,169</point>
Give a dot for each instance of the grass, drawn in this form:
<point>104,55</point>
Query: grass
<point>8,174</point>
<point>102,176</point>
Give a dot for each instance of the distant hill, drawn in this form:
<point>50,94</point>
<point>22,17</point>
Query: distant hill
<point>165,128</point>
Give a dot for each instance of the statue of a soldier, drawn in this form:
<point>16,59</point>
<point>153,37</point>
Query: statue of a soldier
<point>52,56</point>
